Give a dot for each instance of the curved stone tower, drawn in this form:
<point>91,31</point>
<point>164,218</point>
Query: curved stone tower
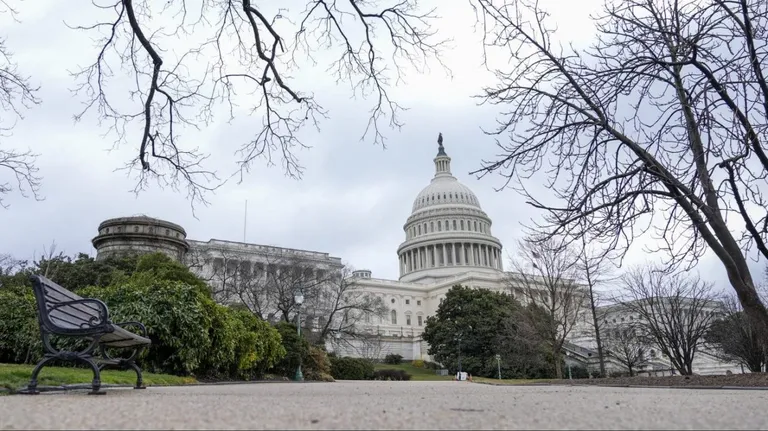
<point>140,234</point>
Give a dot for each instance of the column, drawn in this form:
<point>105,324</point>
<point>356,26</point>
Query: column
<point>445,260</point>
<point>408,261</point>
<point>486,256</point>
<point>434,256</point>
<point>471,254</point>
<point>453,250</point>
<point>463,254</point>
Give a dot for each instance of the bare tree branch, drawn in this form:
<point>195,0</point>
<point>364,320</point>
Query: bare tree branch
<point>183,64</point>
<point>659,127</point>
<point>18,171</point>
<point>545,276</point>
<point>674,311</point>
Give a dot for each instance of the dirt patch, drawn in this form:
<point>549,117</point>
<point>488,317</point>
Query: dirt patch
<point>746,380</point>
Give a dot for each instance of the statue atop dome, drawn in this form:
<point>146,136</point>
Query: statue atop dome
<point>440,148</point>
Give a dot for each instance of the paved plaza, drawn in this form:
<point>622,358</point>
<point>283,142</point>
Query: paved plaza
<point>389,405</point>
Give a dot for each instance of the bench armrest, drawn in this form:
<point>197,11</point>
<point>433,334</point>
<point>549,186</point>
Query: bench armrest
<point>138,324</point>
<point>100,321</point>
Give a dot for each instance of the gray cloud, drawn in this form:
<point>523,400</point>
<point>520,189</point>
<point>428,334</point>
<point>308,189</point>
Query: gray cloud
<point>354,197</point>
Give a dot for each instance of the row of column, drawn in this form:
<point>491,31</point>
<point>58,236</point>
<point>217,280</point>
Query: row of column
<point>449,254</point>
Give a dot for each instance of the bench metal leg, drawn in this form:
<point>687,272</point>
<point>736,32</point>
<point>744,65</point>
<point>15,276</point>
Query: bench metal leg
<point>139,377</point>
<point>32,387</point>
<point>96,384</point>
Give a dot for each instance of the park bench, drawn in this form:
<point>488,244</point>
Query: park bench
<point>63,313</point>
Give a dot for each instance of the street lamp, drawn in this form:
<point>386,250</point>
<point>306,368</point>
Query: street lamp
<point>568,363</point>
<point>298,298</point>
<point>498,364</point>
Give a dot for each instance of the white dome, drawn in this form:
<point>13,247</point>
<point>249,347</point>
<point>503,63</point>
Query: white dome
<point>445,191</point>
<point>447,233</point>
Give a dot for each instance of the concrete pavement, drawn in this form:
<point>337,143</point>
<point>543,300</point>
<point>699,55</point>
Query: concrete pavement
<point>388,405</point>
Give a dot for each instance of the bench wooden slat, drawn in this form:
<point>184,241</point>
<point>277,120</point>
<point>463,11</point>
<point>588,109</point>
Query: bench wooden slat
<point>70,316</point>
<point>123,338</point>
<point>53,297</point>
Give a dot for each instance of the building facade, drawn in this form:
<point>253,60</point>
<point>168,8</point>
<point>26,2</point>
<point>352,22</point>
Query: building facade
<point>448,241</point>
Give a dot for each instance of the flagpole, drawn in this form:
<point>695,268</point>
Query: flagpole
<point>245,219</point>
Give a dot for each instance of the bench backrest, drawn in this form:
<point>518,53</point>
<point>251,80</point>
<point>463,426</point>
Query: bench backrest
<point>62,318</point>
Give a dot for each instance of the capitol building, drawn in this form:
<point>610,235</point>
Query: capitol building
<point>448,241</point>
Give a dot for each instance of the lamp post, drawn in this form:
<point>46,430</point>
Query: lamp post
<point>298,298</point>
<point>459,340</point>
<point>498,364</point>
<point>567,362</point>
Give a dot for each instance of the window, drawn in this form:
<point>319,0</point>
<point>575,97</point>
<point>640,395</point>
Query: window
<point>408,320</point>
<point>454,225</point>
<point>393,316</point>
<point>407,302</point>
<point>431,226</point>
<point>419,229</point>
<point>462,225</point>
<point>475,226</point>
<point>439,226</point>
<point>393,300</point>
<point>418,302</point>
<point>418,319</point>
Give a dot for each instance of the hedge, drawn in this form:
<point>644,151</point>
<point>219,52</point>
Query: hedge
<point>351,368</point>
<point>190,333</point>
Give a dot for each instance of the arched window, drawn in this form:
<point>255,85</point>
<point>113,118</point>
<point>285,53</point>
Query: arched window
<point>439,226</point>
<point>431,226</point>
<point>462,225</point>
<point>393,316</point>
<point>454,225</point>
<point>419,229</point>
<point>475,226</point>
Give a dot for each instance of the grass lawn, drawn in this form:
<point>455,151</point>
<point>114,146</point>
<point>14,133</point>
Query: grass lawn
<point>509,381</point>
<point>15,377</point>
<point>417,374</point>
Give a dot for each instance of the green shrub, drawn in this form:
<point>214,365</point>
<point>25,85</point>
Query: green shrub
<point>258,346</point>
<point>393,359</point>
<point>190,333</point>
<point>318,366</point>
<point>19,331</point>
<point>387,374</point>
<point>296,350</point>
<point>351,369</point>
<point>417,363</point>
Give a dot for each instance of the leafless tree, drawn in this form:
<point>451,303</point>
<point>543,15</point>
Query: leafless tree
<point>665,115</point>
<point>732,337</point>
<point>545,276</point>
<point>368,346</point>
<point>267,287</point>
<point>18,171</point>
<point>626,343</point>
<point>184,58</point>
<point>596,271</point>
<point>345,307</point>
<point>10,265</point>
<point>672,310</point>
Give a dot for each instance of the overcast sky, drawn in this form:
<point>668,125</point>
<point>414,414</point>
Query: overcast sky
<point>354,197</point>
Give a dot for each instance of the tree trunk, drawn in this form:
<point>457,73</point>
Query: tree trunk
<point>558,364</point>
<point>595,322</point>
